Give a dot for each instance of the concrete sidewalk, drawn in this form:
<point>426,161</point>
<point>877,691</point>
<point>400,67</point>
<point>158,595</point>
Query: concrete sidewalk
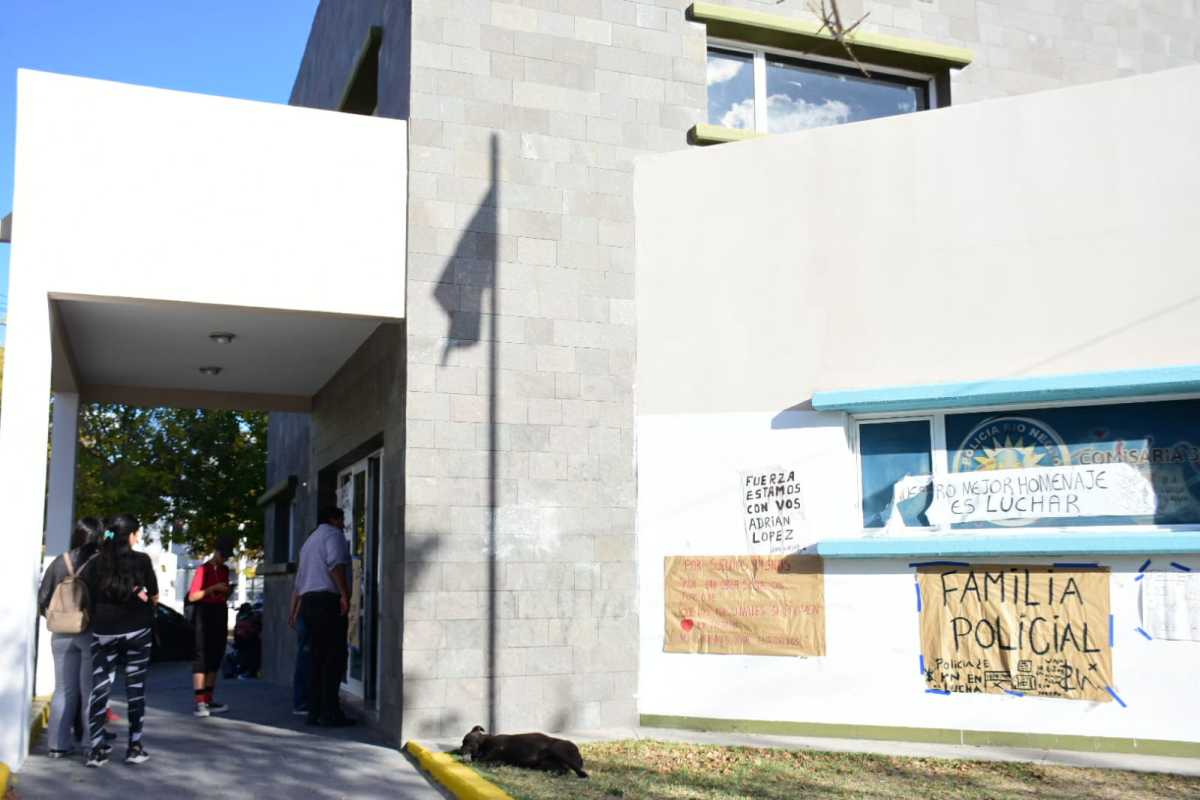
<point>1068,758</point>
<point>257,750</point>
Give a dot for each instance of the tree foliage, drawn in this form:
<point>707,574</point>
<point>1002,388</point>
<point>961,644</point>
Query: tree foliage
<point>197,472</point>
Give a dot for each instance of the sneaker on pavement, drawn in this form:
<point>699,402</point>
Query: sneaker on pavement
<point>106,749</point>
<point>217,708</point>
<point>97,758</point>
<point>111,715</point>
<point>136,754</point>
<point>58,753</point>
<point>201,710</point>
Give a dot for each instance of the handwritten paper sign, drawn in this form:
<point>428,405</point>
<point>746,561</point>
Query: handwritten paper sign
<point>745,605</point>
<point>1033,630</point>
<point>1032,493</point>
<point>1171,605</point>
<point>772,511</point>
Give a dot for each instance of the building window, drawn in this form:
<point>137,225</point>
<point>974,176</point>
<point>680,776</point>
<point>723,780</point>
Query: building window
<point>362,91</point>
<point>731,89</point>
<point>1127,464</point>
<point>769,91</point>
<point>888,451</point>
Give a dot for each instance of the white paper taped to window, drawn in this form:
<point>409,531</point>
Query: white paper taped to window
<point>1171,605</point>
<point>1092,490</point>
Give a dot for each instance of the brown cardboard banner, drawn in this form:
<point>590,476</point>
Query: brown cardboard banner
<point>1034,630</point>
<point>745,605</point>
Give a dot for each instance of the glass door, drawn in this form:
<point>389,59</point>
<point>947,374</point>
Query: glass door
<point>359,498</point>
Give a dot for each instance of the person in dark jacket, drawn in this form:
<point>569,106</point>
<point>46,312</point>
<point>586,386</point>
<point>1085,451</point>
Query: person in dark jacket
<point>72,652</point>
<point>123,590</point>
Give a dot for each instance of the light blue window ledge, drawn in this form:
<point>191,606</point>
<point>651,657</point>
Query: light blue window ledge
<point>1117,543</point>
<point>1005,391</point>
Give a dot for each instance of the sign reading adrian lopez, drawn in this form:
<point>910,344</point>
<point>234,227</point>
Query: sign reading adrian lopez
<point>745,605</point>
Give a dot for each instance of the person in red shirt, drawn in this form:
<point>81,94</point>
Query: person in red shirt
<point>208,594</point>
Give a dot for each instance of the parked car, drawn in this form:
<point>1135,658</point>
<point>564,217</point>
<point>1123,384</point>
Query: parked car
<point>174,637</point>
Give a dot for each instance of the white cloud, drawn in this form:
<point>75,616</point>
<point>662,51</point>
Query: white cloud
<point>740,115</point>
<point>723,69</point>
<point>785,114</point>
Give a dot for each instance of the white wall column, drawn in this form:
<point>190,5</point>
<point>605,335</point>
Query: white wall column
<point>64,445</point>
<point>23,431</point>
<point>60,513</point>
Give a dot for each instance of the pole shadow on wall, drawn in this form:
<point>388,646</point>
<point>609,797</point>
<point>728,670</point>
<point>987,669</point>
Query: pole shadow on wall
<point>471,272</point>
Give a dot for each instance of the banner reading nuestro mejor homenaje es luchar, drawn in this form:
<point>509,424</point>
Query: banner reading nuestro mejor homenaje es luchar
<point>745,605</point>
<point>1030,630</point>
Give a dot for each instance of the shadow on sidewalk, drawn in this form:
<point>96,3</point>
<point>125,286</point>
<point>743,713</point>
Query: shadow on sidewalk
<point>258,749</point>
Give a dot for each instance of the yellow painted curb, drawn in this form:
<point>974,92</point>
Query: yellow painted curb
<point>462,781</point>
<point>41,718</point>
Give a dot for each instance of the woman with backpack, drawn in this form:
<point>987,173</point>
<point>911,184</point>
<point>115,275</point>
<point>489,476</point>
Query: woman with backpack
<point>67,614</point>
<point>124,590</point>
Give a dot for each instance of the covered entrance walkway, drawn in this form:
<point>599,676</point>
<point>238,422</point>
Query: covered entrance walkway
<point>258,749</point>
<point>181,250</point>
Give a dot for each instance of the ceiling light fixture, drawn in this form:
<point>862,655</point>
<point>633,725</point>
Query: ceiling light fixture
<point>210,370</point>
<point>222,337</point>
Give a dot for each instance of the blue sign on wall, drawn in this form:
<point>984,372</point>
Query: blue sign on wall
<point>1159,439</point>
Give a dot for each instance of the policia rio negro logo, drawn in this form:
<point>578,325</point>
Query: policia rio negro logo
<point>1010,443</point>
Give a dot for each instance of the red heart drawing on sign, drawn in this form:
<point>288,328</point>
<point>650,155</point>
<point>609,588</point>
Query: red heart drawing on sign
<point>687,624</point>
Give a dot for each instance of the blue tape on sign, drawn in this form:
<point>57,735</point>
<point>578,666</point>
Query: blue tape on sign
<point>1180,567</point>
<point>922,660</point>
<point>1143,633</point>
<point>1014,694</point>
<point>939,564</point>
<point>1138,578</point>
<point>1110,630</point>
<point>917,586</point>
<point>936,691</point>
<point>1068,565</point>
<point>1116,697</point>
<point>1145,564</point>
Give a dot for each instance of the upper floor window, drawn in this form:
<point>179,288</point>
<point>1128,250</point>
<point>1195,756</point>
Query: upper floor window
<point>767,91</point>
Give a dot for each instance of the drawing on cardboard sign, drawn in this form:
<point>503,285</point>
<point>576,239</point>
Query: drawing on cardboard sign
<point>772,511</point>
<point>1171,605</point>
<point>1031,630</point>
<point>745,605</point>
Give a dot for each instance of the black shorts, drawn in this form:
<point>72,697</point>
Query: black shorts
<point>212,632</point>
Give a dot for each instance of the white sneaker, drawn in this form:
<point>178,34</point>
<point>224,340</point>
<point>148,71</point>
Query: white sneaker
<point>217,708</point>
<point>201,710</point>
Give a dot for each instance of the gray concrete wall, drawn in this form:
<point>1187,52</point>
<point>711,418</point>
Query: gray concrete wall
<point>335,41</point>
<point>525,119</point>
<point>288,453</point>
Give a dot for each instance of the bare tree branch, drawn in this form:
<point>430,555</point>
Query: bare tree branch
<point>830,16</point>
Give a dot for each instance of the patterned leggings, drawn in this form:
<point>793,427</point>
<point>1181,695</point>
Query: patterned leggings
<point>133,650</point>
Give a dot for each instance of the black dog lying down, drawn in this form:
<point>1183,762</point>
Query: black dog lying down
<point>531,750</point>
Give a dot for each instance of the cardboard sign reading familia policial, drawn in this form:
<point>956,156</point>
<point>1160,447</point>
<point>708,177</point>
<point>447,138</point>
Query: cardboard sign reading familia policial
<point>772,511</point>
<point>1030,630</point>
<point>745,605</point>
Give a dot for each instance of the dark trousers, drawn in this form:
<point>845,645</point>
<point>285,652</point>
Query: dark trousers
<point>327,629</point>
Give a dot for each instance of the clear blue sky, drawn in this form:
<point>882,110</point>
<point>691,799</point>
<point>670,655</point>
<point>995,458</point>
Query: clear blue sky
<point>237,48</point>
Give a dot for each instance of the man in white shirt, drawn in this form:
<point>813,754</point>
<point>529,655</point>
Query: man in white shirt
<point>321,595</point>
